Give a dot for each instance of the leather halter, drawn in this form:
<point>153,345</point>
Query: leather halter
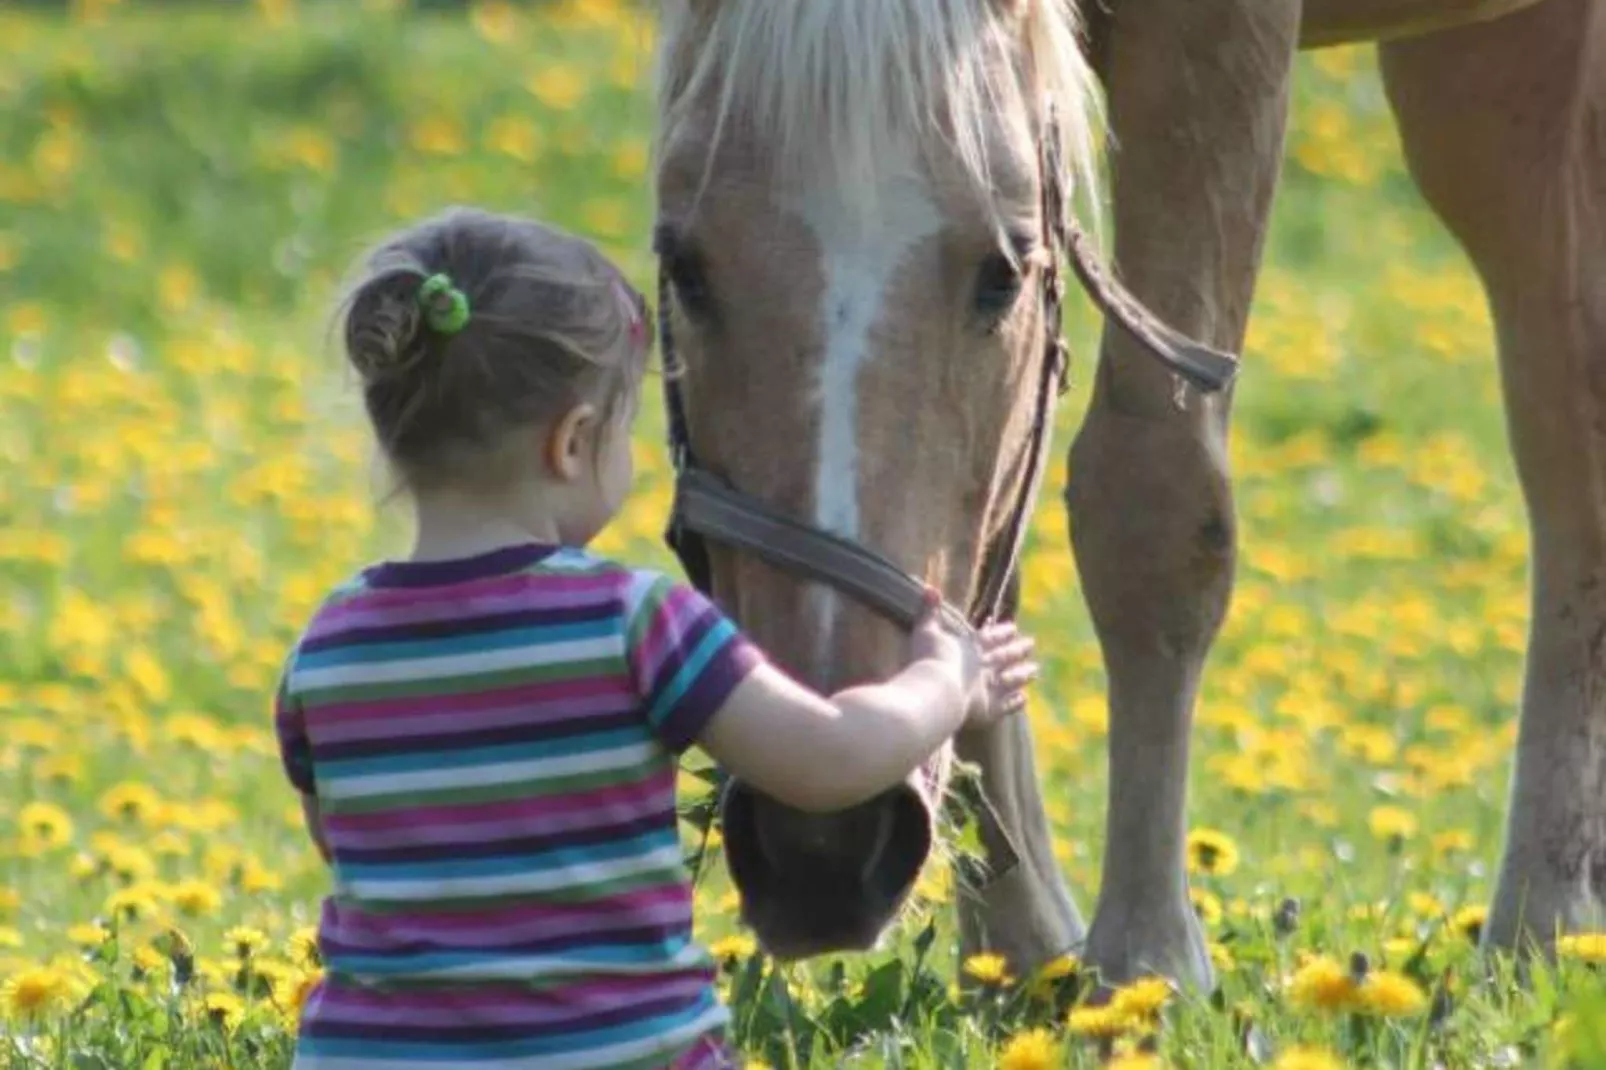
<point>707,507</point>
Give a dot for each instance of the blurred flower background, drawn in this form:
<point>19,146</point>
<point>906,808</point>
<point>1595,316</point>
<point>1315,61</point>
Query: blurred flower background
<point>181,188</point>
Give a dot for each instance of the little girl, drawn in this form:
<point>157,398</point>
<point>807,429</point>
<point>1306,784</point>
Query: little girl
<point>485,733</point>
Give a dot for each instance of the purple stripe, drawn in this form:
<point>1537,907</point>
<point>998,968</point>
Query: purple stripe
<point>473,736</point>
<point>502,1006</point>
<point>459,569</point>
<point>652,792</point>
<point>542,701</point>
<point>662,904</point>
<point>496,945</point>
<point>679,638</point>
<point>586,831</point>
<point>392,631</point>
<point>380,607</point>
<point>727,669</point>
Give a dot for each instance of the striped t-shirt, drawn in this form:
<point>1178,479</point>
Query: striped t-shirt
<point>492,743</point>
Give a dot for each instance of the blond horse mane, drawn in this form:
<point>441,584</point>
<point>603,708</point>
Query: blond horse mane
<point>833,83</point>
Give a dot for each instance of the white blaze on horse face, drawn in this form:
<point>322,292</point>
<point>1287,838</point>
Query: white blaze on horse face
<point>860,252</point>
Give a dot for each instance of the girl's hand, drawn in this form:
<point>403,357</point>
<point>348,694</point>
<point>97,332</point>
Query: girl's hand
<point>933,638</point>
<point>1009,668</point>
<point>995,665</point>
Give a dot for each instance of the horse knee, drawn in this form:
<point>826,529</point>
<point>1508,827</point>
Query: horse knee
<point>1153,530</point>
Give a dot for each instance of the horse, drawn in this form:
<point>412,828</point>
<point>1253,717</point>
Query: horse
<point>859,217</point>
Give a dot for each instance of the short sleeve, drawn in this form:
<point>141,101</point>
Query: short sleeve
<point>295,750</point>
<point>685,656</point>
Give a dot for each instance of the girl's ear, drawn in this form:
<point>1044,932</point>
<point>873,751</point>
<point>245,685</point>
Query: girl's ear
<point>567,449</point>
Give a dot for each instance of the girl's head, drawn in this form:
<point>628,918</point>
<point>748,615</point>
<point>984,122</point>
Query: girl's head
<point>500,355</point>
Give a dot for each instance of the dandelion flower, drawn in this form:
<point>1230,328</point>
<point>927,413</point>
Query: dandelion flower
<point>1392,823</point>
<point>43,827</point>
<point>733,948</point>
<point>1307,1058</point>
<point>1323,984</point>
<point>1057,968</point>
<point>224,1010</point>
<point>1469,922</point>
<point>1099,1022</point>
<point>304,947</point>
<point>245,941</point>
<point>1583,947</point>
<point>1142,999</point>
<point>988,968</point>
<point>1211,852</point>
<point>1391,995</point>
<point>196,897</point>
<point>1035,1049</point>
<point>34,993</point>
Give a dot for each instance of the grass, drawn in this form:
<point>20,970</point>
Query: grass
<point>179,193</point>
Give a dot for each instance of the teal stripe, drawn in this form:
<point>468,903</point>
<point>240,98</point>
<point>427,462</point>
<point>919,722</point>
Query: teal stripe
<point>671,694</point>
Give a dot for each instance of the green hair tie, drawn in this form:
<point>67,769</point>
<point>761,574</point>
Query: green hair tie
<point>445,306</point>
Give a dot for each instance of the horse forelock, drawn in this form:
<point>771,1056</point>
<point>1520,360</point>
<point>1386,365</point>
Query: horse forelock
<point>834,83</point>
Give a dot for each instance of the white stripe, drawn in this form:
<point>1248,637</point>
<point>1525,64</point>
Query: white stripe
<point>580,873</point>
<point>595,1059</point>
<point>469,776</point>
<point>860,255</point>
<point>380,672</point>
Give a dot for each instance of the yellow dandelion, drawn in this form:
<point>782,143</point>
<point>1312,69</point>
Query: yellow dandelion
<point>1035,1049</point>
<point>88,935</point>
<point>224,1010</point>
<point>1469,922</point>
<point>733,948</point>
<point>130,801</point>
<point>1390,995</point>
<point>43,827</point>
<point>196,897</point>
<point>1323,984</point>
<point>34,993</point>
<point>1206,905</point>
<point>1057,968</point>
<point>299,989</point>
<point>1142,999</point>
<point>149,961</point>
<point>1307,1058</point>
<point>1588,948</point>
<point>245,941</point>
<point>1098,1022</point>
<point>135,903</point>
<point>304,947</point>
<point>1221,957</point>
<point>1211,852</point>
<point>1392,823</point>
<point>988,968</point>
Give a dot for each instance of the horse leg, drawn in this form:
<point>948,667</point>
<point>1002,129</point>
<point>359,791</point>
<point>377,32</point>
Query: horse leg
<point>1024,910</point>
<point>1198,102</point>
<point>1504,128</point>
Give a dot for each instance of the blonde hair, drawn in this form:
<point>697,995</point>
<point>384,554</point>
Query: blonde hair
<point>835,81</point>
<point>550,323</point>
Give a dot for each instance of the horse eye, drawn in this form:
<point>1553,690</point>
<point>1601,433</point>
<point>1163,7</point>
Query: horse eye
<point>998,285</point>
<point>686,273</point>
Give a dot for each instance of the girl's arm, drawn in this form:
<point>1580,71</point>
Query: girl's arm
<point>823,754</point>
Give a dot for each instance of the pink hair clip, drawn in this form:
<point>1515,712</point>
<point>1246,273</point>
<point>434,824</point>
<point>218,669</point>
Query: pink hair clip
<point>633,311</point>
